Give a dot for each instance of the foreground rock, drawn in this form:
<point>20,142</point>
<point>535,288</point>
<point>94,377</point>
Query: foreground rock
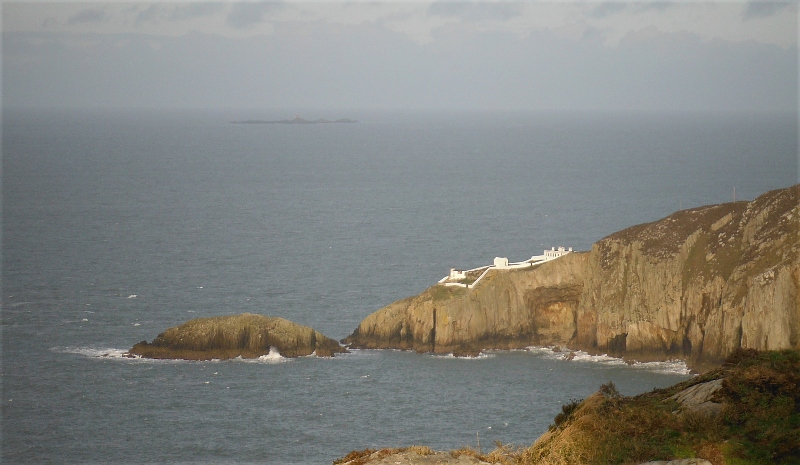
<point>415,455</point>
<point>246,335</point>
<point>746,411</point>
<point>696,285</point>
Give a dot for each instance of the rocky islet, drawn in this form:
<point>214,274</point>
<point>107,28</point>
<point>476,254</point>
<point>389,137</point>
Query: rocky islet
<point>246,335</point>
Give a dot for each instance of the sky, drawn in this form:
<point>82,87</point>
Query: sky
<point>402,55</point>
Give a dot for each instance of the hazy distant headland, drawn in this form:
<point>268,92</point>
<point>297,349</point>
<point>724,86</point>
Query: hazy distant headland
<point>296,120</point>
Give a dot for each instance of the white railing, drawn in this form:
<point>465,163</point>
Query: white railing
<point>531,262</point>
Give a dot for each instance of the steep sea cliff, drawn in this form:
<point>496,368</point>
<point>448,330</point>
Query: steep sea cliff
<point>696,285</point>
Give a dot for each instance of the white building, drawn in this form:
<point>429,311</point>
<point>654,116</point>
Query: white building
<point>553,253</point>
<point>500,262</point>
<point>457,275</point>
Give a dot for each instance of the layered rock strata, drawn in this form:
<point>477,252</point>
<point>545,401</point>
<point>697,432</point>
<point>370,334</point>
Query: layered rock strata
<point>246,335</point>
<point>697,285</point>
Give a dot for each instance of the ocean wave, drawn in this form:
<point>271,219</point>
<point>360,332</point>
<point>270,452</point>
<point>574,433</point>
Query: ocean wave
<point>113,354</point>
<point>669,366</point>
<point>553,353</point>
<point>274,356</point>
<point>92,352</point>
<point>122,354</point>
<point>480,356</point>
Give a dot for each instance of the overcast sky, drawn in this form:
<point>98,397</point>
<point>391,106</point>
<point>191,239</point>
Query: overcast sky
<point>402,55</point>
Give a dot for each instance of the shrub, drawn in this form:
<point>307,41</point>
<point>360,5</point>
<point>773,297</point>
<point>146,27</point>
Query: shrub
<point>566,412</point>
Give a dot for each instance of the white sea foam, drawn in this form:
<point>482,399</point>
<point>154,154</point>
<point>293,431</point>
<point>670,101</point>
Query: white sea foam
<point>92,352</point>
<point>480,356</point>
<point>274,356</point>
<point>668,366</point>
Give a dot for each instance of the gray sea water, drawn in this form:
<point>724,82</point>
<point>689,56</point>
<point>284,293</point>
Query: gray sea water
<point>119,224</point>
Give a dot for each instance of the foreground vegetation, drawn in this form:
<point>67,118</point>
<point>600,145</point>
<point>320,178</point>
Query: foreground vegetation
<point>745,412</point>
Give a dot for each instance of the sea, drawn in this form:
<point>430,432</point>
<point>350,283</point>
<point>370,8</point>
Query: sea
<point>118,224</point>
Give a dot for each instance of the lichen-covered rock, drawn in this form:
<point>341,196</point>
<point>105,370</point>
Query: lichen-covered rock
<point>695,285</point>
<point>245,335</point>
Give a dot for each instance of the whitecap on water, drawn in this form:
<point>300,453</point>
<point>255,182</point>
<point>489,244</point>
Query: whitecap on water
<point>274,356</point>
<point>669,366</point>
<point>480,356</point>
<point>92,352</point>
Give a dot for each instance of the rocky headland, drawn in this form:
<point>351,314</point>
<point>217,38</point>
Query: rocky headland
<point>696,285</point>
<point>245,335</point>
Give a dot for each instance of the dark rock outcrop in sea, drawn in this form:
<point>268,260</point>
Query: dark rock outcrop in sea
<point>245,335</point>
<point>695,285</point>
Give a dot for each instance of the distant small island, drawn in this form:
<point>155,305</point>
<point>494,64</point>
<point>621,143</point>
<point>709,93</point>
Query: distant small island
<point>296,120</point>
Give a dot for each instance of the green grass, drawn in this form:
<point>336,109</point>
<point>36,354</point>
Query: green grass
<point>439,293</point>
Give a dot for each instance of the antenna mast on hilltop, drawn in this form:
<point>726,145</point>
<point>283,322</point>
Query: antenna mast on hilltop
<point>734,193</point>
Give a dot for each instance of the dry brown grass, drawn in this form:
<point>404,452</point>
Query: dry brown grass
<point>760,422</point>
<point>361,457</point>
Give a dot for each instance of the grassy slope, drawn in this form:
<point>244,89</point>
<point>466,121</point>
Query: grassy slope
<point>759,421</point>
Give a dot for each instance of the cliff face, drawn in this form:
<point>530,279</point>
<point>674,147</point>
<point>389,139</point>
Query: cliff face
<point>246,335</point>
<point>508,309</point>
<point>696,285</point>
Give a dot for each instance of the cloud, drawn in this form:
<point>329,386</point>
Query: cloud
<point>607,9</point>
<point>475,11</point>
<point>242,15</point>
<point>194,10</point>
<point>149,14</point>
<point>657,6</point>
<point>755,10</point>
<point>89,15</point>
<point>421,22</point>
